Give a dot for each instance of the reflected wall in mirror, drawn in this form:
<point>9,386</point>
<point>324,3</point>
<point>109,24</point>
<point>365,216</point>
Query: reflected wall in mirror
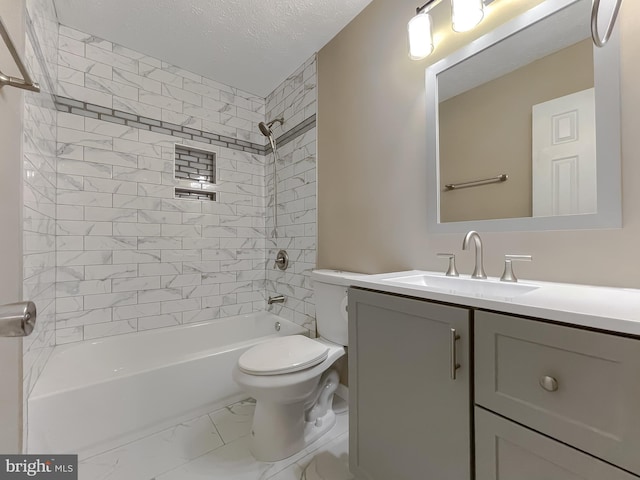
<point>535,101</point>
<point>489,130</point>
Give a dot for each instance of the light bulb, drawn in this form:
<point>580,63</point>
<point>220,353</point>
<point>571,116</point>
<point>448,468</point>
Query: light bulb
<point>420,36</point>
<point>466,14</point>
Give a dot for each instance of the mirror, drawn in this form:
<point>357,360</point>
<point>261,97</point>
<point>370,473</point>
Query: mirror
<point>524,127</point>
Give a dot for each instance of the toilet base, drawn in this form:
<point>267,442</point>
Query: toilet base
<point>279,431</point>
<point>293,409</point>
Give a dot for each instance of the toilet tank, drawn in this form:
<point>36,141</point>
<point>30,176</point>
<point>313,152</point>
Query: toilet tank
<point>330,289</point>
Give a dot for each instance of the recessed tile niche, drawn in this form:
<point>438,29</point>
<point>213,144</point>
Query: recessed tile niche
<point>197,171</point>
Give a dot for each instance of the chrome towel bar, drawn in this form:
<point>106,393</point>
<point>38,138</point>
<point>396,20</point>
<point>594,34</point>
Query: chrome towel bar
<point>476,183</point>
<point>25,82</point>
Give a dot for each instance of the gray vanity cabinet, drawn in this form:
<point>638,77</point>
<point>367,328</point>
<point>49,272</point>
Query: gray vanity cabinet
<point>410,407</point>
<point>576,386</point>
<point>508,451</point>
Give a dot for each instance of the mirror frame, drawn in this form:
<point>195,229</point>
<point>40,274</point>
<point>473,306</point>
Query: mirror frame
<point>608,131</point>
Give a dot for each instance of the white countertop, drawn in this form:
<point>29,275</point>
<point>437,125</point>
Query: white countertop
<point>613,309</point>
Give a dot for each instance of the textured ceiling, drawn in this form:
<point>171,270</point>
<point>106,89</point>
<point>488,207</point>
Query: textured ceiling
<point>249,44</point>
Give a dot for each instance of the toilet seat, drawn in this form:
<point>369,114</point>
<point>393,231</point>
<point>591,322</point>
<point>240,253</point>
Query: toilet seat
<point>283,355</point>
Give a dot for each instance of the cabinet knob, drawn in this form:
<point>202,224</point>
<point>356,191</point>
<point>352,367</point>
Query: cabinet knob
<point>550,384</point>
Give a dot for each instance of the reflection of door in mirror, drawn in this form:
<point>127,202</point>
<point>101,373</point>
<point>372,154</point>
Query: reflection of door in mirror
<point>487,131</point>
<point>564,155</point>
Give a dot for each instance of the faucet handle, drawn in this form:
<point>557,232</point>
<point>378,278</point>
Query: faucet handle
<point>508,275</point>
<point>282,260</point>
<point>451,271</point>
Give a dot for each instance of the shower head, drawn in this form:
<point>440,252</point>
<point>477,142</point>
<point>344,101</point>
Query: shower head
<point>265,128</point>
<point>266,131</point>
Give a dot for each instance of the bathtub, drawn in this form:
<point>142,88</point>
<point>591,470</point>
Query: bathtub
<point>96,395</point>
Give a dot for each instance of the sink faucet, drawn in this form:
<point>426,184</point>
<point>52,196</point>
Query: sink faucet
<point>478,271</point>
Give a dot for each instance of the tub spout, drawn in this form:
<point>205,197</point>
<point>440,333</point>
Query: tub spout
<point>276,299</point>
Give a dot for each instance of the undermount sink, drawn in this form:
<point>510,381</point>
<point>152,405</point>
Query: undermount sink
<point>465,286</point>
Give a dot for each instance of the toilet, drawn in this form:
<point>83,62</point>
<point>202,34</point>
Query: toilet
<point>291,377</point>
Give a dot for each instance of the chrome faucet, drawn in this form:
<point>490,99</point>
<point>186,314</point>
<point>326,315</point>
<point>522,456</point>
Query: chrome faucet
<point>478,271</point>
<point>276,299</point>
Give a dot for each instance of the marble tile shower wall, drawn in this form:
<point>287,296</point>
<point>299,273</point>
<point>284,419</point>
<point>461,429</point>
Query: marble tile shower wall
<point>131,257</point>
<point>295,101</point>
<point>39,188</point>
<point>106,74</point>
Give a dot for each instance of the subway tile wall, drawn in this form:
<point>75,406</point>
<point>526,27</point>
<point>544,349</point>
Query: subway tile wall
<point>130,256</point>
<point>295,101</point>
<point>99,72</point>
<point>39,189</point>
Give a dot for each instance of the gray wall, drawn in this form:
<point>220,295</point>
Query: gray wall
<point>372,162</point>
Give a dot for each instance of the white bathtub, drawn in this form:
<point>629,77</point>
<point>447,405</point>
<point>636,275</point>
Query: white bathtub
<point>98,394</point>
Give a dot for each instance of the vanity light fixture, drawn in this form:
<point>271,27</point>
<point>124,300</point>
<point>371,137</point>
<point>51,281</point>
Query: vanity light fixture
<point>465,15</point>
<point>420,30</point>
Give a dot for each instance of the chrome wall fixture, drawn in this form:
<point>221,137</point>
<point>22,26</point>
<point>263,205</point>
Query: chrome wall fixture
<point>465,15</point>
<point>503,177</point>
<point>265,129</point>
<point>17,319</point>
<point>601,41</point>
<point>25,82</point>
<point>282,260</point>
<point>276,299</point>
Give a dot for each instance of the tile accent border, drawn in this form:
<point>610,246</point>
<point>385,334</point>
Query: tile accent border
<point>296,131</point>
<point>90,110</point>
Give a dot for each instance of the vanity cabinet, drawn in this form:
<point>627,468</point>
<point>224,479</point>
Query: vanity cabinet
<point>508,451</point>
<point>410,391</point>
<point>577,386</point>
<point>549,401</point>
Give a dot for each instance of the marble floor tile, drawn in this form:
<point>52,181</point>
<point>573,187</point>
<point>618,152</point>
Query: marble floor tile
<point>328,462</point>
<point>234,421</point>
<point>216,447</point>
<point>235,462</point>
<point>292,472</point>
<point>155,454</point>
<point>340,428</point>
<point>230,462</point>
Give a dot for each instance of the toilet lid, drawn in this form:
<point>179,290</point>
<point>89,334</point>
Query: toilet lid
<point>283,355</point>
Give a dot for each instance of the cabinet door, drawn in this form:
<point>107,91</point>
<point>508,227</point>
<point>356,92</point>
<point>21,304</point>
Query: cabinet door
<point>409,419</point>
<point>592,400</point>
<point>508,451</point>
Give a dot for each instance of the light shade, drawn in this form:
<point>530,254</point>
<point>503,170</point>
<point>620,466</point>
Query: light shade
<point>466,14</point>
<point>420,36</point>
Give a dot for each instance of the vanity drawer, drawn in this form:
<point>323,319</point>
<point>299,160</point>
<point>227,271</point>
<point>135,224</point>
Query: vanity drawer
<point>578,386</point>
<point>508,451</point>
